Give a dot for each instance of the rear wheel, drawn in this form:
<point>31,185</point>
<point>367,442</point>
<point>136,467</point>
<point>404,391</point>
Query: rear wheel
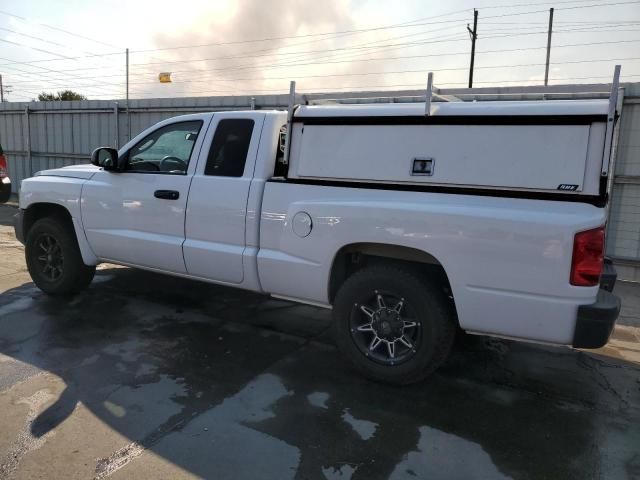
<point>53,258</point>
<point>392,324</point>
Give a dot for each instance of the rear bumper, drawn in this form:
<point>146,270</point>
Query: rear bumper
<point>609,276</point>
<point>595,322</point>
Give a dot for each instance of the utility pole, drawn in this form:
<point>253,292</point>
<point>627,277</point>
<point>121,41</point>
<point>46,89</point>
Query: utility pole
<point>474,36</point>
<point>127,99</point>
<point>546,68</point>
<point>1,90</point>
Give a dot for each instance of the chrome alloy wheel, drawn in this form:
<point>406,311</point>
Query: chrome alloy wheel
<point>383,328</point>
<point>49,257</point>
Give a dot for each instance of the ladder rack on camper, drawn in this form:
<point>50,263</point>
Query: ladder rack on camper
<point>549,146</point>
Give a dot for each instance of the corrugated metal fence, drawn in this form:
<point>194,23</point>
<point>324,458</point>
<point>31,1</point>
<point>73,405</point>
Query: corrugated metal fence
<point>41,135</point>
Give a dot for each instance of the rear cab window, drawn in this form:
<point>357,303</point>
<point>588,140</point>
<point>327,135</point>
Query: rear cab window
<point>229,148</point>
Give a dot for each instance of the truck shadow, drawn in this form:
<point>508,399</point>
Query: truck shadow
<point>229,384</point>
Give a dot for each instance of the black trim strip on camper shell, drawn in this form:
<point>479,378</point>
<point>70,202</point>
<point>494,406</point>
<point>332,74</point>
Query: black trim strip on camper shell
<point>455,120</point>
<point>599,201</point>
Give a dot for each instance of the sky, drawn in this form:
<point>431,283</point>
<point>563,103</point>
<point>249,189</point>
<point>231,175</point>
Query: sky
<point>238,47</point>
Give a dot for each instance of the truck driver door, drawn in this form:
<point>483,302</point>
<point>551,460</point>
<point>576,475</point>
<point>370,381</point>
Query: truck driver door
<point>136,215</point>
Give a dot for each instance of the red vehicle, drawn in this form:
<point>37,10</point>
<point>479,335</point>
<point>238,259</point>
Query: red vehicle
<point>5,181</point>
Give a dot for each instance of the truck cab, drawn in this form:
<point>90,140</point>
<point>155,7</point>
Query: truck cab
<point>179,199</point>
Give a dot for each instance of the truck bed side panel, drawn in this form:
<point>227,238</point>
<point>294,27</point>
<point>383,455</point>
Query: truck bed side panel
<point>508,260</point>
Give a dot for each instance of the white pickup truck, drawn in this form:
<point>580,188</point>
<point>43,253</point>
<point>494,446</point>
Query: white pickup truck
<point>484,217</point>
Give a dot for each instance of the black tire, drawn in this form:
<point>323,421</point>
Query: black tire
<point>422,299</point>
<point>66,273</point>
<point>5,192</point>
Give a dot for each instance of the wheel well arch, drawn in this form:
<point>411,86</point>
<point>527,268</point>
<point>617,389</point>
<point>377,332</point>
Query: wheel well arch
<point>36,211</point>
<point>355,256</point>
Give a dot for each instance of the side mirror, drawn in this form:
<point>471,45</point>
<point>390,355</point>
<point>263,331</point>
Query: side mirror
<point>105,157</point>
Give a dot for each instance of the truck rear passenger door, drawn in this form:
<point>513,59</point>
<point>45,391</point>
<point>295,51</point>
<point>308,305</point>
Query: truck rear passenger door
<point>215,224</point>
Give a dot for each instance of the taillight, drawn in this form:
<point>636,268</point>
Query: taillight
<point>3,166</point>
<point>588,257</point>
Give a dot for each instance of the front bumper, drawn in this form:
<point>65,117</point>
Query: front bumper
<point>18,225</point>
<point>595,322</point>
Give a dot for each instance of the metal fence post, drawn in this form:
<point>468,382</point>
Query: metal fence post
<point>27,147</point>
<point>127,100</point>
<point>116,125</point>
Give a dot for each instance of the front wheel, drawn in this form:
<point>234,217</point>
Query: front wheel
<point>392,324</point>
<point>53,258</point>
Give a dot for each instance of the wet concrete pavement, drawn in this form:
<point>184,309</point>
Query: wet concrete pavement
<point>145,376</point>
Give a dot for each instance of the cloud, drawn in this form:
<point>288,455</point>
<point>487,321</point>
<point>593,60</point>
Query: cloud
<point>252,61</point>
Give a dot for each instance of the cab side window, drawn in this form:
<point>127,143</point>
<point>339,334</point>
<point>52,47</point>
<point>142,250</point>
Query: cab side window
<point>229,148</point>
<point>166,150</point>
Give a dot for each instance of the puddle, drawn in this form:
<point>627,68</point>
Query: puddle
<point>445,456</point>
<point>318,399</point>
<point>221,431</point>
<point>364,428</point>
<point>344,472</point>
<point>16,306</point>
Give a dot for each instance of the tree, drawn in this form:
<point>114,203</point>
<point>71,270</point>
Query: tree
<point>62,95</point>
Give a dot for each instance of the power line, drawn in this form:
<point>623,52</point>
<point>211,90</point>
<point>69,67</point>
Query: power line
<point>568,23</point>
<point>443,54</point>
<point>423,70</point>
<point>278,66</point>
<point>23,19</point>
<point>408,23</point>
<point>62,57</point>
<point>95,68</point>
<point>526,80</point>
<point>288,37</point>
<point>367,49</point>
<point>406,71</point>
<point>404,25</point>
<point>411,23</point>
<point>47,70</point>
<point>40,39</point>
<point>363,87</point>
<point>236,42</point>
<point>348,54</point>
<point>47,81</point>
<point>570,28</point>
<point>33,37</point>
<point>402,44</point>
<point>551,3</point>
<point>362,46</point>
<point>4,12</point>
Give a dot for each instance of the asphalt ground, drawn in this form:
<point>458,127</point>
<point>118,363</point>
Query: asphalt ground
<point>147,376</point>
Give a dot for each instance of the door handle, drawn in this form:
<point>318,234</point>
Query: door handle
<point>167,194</point>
